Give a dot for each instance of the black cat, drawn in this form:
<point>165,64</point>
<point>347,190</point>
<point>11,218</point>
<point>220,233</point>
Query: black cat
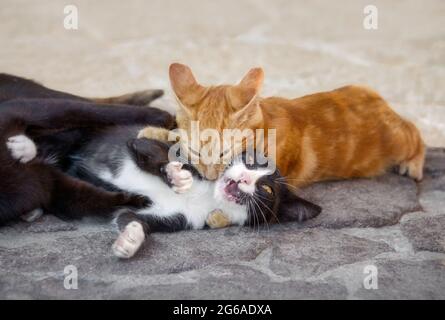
<point>60,123</point>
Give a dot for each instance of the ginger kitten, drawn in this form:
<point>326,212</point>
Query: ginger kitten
<point>346,133</point>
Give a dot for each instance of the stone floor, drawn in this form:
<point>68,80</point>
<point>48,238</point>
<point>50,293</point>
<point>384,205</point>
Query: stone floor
<point>388,222</point>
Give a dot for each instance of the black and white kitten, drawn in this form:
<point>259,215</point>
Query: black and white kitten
<point>248,194</point>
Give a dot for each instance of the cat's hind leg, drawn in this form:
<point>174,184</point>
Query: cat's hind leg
<point>21,148</point>
<point>22,187</point>
<point>70,196</point>
<point>132,235</point>
<point>414,166</point>
<point>75,199</point>
<point>415,149</point>
<point>135,228</point>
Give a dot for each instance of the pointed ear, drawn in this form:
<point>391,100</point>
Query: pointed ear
<point>294,208</point>
<point>250,86</point>
<point>148,150</point>
<point>253,79</point>
<point>183,82</point>
<point>137,145</point>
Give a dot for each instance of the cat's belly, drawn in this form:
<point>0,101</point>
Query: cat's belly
<point>195,204</point>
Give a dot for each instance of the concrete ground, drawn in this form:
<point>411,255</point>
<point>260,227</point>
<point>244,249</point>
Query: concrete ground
<point>389,225</point>
<point>389,222</point>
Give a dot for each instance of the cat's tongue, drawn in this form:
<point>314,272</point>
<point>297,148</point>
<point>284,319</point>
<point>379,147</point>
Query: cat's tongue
<point>232,188</point>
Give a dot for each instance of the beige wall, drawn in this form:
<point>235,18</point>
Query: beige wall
<point>304,46</point>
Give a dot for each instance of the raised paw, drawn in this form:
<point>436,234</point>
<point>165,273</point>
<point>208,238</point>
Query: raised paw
<point>129,241</point>
<point>22,148</point>
<point>154,133</point>
<point>182,180</point>
<point>136,200</point>
<point>217,219</point>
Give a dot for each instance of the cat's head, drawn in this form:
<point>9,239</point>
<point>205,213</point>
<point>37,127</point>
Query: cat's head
<point>216,107</point>
<point>265,194</point>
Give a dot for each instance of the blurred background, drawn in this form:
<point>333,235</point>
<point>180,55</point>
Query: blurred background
<point>303,46</point>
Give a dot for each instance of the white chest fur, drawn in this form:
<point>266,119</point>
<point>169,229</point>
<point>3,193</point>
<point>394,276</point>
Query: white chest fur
<point>195,204</point>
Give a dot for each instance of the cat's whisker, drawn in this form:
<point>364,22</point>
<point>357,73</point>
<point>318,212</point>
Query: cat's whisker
<point>285,179</point>
<point>258,217</point>
<point>250,213</point>
<point>288,185</point>
<point>267,207</point>
<point>262,212</point>
<point>256,205</point>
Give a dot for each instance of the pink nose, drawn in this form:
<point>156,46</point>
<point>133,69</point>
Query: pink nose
<point>245,178</point>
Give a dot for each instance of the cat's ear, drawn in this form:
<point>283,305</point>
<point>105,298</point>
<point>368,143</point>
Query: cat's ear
<point>253,80</point>
<point>184,83</point>
<point>248,89</point>
<point>294,208</point>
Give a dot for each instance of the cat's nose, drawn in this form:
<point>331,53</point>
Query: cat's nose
<point>211,173</point>
<point>245,178</point>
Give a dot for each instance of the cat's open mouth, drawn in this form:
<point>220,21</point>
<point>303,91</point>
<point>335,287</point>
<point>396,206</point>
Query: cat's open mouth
<point>232,191</point>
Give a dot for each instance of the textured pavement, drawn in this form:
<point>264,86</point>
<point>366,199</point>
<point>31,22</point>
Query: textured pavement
<point>390,222</point>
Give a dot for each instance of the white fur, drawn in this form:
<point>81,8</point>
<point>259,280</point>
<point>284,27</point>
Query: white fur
<point>129,241</point>
<point>195,204</point>
<point>238,172</point>
<point>22,148</point>
<point>182,179</point>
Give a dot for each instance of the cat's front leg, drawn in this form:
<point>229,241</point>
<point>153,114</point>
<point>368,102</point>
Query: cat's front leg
<point>154,133</point>
<point>180,178</point>
<point>218,219</point>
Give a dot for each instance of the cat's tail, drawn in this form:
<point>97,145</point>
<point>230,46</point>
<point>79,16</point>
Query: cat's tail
<point>138,98</point>
<point>14,87</point>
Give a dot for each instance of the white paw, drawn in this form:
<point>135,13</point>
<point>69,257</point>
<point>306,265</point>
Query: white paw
<point>129,241</point>
<point>403,168</point>
<point>182,180</point>
<point>32,215</point>
<point>22,148</point>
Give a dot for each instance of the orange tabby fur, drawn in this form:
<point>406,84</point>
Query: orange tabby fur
<point>345,133</point>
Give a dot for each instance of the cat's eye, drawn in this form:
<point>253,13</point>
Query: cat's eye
<point>267,189</point>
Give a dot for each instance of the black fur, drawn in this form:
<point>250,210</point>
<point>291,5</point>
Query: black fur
<point>280,204</point>
<point>153,223</point>
<point>60,124</point>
